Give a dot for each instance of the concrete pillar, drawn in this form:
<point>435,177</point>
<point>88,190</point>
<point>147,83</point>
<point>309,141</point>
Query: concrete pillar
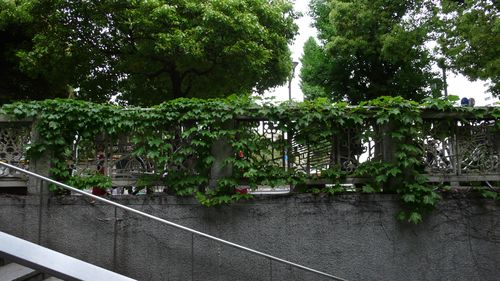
<point>40,165</point>
<point>389,146</point>
<point>221,150</point>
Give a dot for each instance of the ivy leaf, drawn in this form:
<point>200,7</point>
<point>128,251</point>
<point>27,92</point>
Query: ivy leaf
<point>394,111</point>
<point>53,125</point>
<point>397,135</point>
<point>368,189</point>
<point>153,154</point>
<point>394,172</point>
<point>489,194</point>
<point>251,173</point>
<point>409,198</point>
<point>415,218</point>
<point>208,160</point>
<point>429,200</point>
<point>382,120</point>
<point>155,142</point>
<point>401,216</point>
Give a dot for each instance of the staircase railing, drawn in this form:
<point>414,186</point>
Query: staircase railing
<point>51,262</point>
<point>193,232</point>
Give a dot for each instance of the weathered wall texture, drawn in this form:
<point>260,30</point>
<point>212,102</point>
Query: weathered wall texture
<point>353,236</point>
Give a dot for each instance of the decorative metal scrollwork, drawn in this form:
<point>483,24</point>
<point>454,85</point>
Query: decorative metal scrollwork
<point>470,149</point>
<point>13,144</point>
<point>476,147</point>
<point>439,155</point>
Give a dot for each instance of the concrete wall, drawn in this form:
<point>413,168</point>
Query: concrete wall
<point>352,236</point>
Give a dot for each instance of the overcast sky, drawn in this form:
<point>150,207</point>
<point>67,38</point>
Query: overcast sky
<point>457,84</point>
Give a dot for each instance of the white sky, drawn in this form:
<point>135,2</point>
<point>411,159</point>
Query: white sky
<point>457,84</point>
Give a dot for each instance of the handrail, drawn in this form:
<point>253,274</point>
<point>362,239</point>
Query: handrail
<point>54,263</point>
<point>234,245</point>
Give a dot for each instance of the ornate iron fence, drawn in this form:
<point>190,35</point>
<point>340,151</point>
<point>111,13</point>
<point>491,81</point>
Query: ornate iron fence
<point>456,149</point>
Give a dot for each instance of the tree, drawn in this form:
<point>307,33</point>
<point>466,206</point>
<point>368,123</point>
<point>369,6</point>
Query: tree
<point>315,72</point>
<point>16,33</point>
<point>372,48</point>
<point>469,37</point>
<point>146,52</point>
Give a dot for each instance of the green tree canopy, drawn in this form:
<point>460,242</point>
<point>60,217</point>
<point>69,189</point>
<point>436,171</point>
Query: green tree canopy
<point>315,72</point>
<point>469,37</point>
<point>373,48</point>
<point>370,48</point>
<point>150,51</point>
<point>16,33</point>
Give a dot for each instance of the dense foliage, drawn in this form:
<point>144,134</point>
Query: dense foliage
<point>372,48</point>
<point>15,84</point>
<point>145,52</point>
<point>469,38</point>
<point>317,67</point>
<point>177,136</point>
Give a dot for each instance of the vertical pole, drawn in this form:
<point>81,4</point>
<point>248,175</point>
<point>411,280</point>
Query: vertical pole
<point>331,160</point>
<point>294,65</point>
<point>457,159</point>
<point>271,269</point>
<point>289,136</point>
<point>308,160</point>
<point>192,256</point>
<point>272,142</point>
<point>285,153</point>
<point>221,150</point>
<point>218,260</point>
<point>289,152</point>
<point>444,81</point>
<point>458,153</point>
<point>40,208</point>
<point>115,234</point>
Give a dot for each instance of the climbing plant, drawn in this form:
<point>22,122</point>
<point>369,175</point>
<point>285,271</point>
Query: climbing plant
<point>177,137</point>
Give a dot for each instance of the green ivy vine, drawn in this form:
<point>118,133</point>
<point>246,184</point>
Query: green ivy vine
<point>177,136</point>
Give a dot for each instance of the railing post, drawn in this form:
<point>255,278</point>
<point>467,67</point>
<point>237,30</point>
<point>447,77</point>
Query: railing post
<point>115,238</point>
<point>389,152</point>
<point>388,144</point>
<point>38,187</point>
<point>40,165</point>
<point>40,213</point>
<point>219,262</point>
<point>271,269</point>
<point>221,150</point>
<point>192,256</point>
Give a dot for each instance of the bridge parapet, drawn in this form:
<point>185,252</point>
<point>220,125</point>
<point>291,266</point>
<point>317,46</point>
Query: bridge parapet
<point>454,146</point>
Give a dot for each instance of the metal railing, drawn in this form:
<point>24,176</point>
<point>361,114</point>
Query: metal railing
<point>455,148</point>
<point>192,231</point>
<point>54,263</point>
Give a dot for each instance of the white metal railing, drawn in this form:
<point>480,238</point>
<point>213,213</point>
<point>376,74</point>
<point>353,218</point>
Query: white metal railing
<point>52,262</point>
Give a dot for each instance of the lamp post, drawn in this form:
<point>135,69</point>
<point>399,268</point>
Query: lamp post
<point>290,80</point>
<point>286,162</point>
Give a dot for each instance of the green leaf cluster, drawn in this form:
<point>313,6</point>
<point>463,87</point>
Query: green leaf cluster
<point>469,39</point>
<point>176,138</point>
<point>143,52</point>
<point>368,49</point>
<point>371,48</point>
<point>90,181</point>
